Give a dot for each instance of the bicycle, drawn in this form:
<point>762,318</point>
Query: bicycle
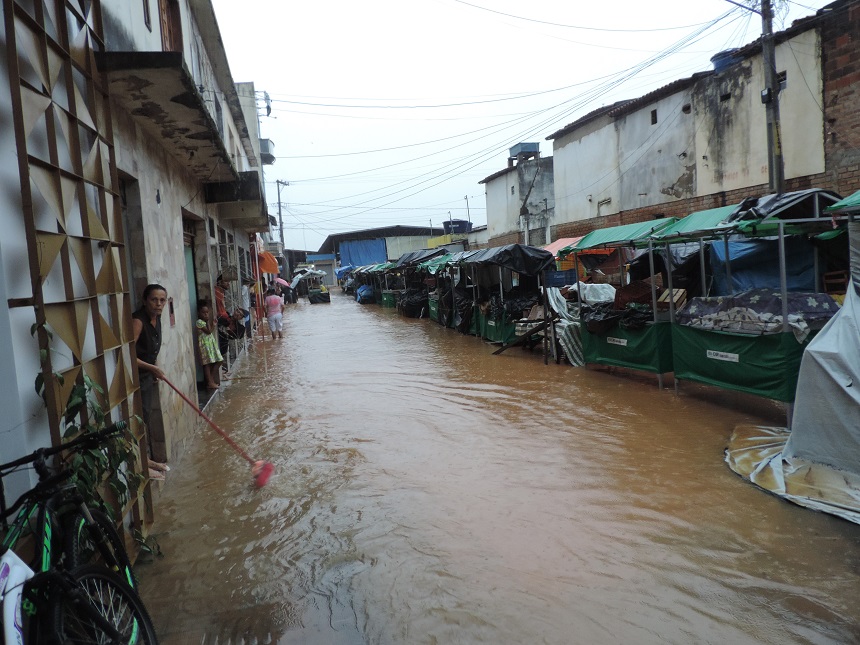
<point>66,603</point>
<point>89,533</point>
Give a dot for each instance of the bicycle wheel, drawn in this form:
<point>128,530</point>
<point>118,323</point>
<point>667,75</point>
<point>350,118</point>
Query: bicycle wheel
<point>108,596</point>
<point>81,545</point>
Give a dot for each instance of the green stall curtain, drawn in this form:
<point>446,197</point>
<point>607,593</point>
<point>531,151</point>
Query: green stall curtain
<point>648,349</point>
<point>765,365</point>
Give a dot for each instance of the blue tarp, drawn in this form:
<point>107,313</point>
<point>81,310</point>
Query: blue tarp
<point>344,269</point>
<point>364,294</point>
<point>362,252</point>
<point>755,265</point>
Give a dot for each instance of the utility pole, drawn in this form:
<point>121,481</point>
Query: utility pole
<point>770,98</point>
<point>468,215</point>
<point>284,268</point>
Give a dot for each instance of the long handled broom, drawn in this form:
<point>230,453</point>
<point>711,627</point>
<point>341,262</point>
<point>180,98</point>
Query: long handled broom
<point>261,470</point>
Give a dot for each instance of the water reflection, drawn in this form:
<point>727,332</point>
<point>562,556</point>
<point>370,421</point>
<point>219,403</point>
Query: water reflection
<point>429,492</point>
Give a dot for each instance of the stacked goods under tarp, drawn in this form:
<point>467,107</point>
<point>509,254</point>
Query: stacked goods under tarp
<point>752,341</point>
<point>817,465</point>
<point>502,302</point>
<point>413,301</point>
<point>438,281</point>
<point>738,342</point>
<point>625,332</point>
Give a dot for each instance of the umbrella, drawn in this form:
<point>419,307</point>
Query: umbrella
<point>282,281</point>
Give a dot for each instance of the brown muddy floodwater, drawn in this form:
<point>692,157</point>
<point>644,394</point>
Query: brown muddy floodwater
<point>429,492</point>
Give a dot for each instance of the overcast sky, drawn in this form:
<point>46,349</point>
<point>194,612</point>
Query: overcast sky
<point>390,112</point>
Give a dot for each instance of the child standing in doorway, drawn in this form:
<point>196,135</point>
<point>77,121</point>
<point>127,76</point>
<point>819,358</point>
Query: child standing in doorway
<point>210,355</point>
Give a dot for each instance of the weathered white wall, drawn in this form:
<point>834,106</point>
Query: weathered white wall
<point>499,199</point>
<point>586,169</point>
<point>656,159</point>
<point>800,105</point>
<point>720,145</point>
<point>125,31</point>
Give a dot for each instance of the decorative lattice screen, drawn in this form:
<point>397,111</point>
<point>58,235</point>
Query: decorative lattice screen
<point>71,209</point>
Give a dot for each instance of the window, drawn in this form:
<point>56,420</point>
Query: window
<point>725,97</point>
<point>512,190</point>
<point>653,117</point>
<point>147,17</point>
<point>686,109</point>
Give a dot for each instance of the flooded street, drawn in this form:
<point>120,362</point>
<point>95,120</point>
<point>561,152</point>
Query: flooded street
<point>429,492</point>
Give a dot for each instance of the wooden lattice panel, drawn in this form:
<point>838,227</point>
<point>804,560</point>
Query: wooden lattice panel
<point>70,206</point>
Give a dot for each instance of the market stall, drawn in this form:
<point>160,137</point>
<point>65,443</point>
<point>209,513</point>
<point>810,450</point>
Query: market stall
<point>508,280</point>
<point>413,299</point>
<point>613,335</point>
<point>752,340</point>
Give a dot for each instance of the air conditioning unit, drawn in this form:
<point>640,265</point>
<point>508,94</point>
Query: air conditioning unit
<point>267,152</point>
<point>275,248</point>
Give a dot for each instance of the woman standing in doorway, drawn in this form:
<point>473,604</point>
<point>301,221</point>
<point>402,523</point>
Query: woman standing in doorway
<point>146,324</point>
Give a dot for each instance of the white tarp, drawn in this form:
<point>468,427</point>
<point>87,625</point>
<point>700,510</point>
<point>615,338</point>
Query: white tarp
<point>817,464</point>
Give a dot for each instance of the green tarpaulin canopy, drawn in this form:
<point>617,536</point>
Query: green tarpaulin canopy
<point>434,265</point>
<point>701,224</point>
<point>852,202</point>
<point>624,235</point>
<point>383,266</point>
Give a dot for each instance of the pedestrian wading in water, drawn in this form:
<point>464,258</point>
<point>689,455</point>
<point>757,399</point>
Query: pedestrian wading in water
<point>146,324</point>
<point>275,313</point>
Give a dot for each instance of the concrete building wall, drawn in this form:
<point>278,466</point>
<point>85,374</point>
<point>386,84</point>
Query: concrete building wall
<point>528,183</point>
<point>164,190</point>
<point>656,154</point>
<point>23,427</point>
<point>397,246</point>
<point>717,153</point>
<point>503,199</point>
<point>125,30</point>
<point>586,169</point>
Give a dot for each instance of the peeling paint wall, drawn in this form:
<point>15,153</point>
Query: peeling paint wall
<point>505,195</point>
<point>656,154</point>
<point>705,140</point>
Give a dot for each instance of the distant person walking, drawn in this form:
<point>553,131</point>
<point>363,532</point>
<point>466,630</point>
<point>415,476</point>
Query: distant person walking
<point>275,313</point>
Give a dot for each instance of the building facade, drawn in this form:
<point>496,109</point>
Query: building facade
<point>521,198</point>
<point>701,142</point>
<point>129,161</point>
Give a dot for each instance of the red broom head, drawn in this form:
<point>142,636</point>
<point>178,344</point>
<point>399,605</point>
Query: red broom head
<point>262,471</point>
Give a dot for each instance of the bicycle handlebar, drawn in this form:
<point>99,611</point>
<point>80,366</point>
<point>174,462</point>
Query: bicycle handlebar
<point>43,487</point>
<point>90,439</point>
